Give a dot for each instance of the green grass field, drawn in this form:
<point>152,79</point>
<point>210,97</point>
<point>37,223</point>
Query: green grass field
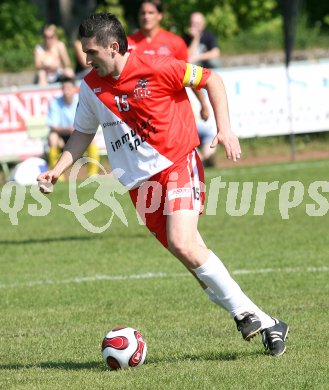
<point>62,288</point>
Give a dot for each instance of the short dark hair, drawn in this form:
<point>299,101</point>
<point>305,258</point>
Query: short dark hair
<point>157,4</point>
<point>66,79</point>
<point>105,27</point>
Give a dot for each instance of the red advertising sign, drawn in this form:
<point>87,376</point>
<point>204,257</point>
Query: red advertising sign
<point>18,105</point>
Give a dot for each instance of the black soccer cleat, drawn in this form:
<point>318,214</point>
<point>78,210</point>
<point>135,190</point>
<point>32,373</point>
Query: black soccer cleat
<point>274,337</point>
<point>248,324</point>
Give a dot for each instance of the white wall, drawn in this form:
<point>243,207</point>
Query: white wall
<point>268,101</point>
<point>258,100</point>
<point>263,102</point>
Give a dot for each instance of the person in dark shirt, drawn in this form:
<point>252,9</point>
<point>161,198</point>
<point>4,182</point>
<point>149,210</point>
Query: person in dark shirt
<point>202,44</point>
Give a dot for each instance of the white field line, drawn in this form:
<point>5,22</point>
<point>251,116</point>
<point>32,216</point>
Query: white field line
<point>152,275</point>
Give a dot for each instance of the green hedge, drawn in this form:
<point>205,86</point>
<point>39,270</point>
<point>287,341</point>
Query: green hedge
<point>20,30</point>
<point>21,24</point>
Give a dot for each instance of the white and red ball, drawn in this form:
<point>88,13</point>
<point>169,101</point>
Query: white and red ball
<point>124,347</point>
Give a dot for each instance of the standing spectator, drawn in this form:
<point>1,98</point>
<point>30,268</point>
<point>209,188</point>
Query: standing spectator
<point>81,67</point>
<point>202,44</point>
<point>154,40</point>
<point>204,51</point>
<point>51,58</point>
<point>60,120</point>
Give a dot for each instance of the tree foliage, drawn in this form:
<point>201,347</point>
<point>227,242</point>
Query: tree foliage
<point>114,7</point>
<point>226,18</point>
<point>317,13</point>
<point>20,25</point>
<point>257,24</point>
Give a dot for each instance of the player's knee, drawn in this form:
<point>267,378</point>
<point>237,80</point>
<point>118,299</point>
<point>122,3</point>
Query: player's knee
<point>53,139</point>
<point>181,248</point>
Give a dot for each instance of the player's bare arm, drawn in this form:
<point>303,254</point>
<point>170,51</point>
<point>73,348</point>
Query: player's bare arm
<point>74,149</point>
<point>218,99</point>
<point>204,109</point>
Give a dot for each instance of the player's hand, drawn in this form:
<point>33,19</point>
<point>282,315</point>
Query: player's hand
<point>46,180</point>
<point>204,112</point>
<point>231,144</point>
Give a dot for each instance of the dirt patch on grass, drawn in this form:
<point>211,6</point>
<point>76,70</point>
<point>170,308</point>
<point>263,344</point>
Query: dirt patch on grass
<point>252,160</point>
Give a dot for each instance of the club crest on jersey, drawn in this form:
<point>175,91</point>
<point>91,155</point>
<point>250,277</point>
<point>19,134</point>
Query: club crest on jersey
<point>141,90</point>
<point>164,51</point>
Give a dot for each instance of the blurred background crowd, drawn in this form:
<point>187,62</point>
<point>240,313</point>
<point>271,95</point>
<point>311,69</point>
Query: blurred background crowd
<point>40,45</point>
<point>245,26</point>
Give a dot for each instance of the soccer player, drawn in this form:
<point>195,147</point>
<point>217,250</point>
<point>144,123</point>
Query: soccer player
<point>151,136</point>
<point>153,39</point>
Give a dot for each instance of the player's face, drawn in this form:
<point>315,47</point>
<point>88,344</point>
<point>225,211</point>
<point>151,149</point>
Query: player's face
<point>149,17</point>
<point>99,57</point>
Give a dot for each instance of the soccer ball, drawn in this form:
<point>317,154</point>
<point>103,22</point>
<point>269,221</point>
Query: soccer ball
<point>124,347</point>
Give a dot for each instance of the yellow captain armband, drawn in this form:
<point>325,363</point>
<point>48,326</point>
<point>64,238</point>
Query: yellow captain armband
<point>193,75</point>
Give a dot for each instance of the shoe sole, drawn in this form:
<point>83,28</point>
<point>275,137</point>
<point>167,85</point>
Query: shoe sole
<point>279,354</point>
<point>253,334</point>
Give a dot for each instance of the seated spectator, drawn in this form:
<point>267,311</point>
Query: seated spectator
<point>202,44</point>
<point>51,58</point>
<point>60,119</point>
<point>207,130</point>
<point>203,50</point>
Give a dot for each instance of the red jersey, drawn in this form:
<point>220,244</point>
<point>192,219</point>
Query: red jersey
<point>164,43</point>
<point>146,116</point>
